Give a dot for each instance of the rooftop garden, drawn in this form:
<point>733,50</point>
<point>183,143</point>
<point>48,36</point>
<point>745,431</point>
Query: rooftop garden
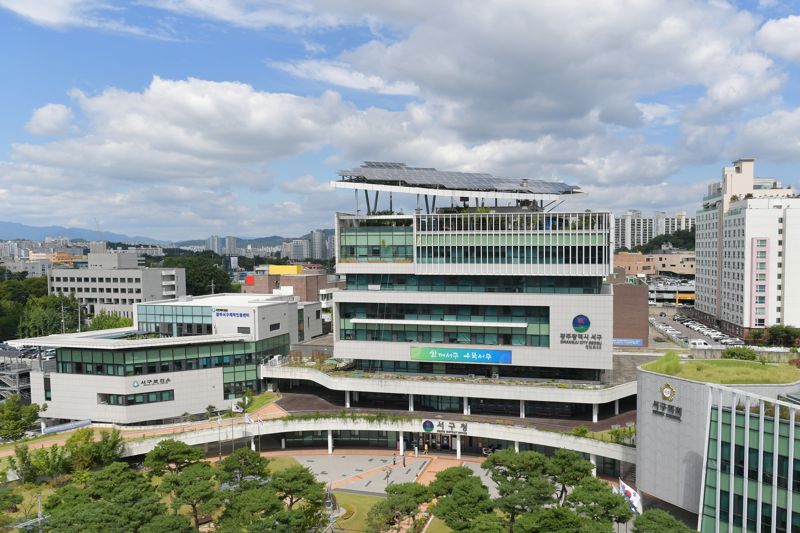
<point>724,371</point>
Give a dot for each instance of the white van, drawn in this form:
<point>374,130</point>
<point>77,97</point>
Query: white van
<point>698,343</point>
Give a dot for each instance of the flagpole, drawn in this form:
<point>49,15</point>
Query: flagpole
<point>219,436</point>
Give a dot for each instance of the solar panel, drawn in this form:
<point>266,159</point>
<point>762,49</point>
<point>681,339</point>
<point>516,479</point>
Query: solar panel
<point>400,174</point>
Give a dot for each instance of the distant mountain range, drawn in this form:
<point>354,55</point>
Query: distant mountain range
<point>255,242</point>
<point>13,230</point>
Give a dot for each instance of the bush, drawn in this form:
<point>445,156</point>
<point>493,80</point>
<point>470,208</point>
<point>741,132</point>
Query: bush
<point>743,353</point>
<point>795,362</point>
<point>580,431</point>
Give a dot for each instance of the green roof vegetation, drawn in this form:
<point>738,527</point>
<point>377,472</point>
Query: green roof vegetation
<point>724,371</point>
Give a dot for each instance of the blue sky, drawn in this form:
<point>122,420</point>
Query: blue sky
<point>177,119</point>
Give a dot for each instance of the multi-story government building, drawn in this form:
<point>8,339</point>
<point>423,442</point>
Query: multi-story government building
<point>747,247</point>
<point>114,282</point>
<point>490,304</point>
<point>180,356</point>
<point>727,454</point>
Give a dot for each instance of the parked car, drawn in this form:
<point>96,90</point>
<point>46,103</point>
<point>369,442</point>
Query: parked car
<point>698,343</point>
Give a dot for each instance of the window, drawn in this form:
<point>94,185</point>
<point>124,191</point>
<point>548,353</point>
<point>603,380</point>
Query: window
<point>761,277</point>
<point>761,299</point>
<point>761,266</point>
<point>760,310</point>
<point>761,242</point>
<point>761,288</point>
<point>243,329</point>
<point>759,321</point>
<point>274,327</point>
<point>761,254</point>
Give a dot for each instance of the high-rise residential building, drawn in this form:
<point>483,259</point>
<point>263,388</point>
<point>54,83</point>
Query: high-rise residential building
<point>114,282</point>
<point>214,244</point>
<point>471,309</point>
<point>319,245</point>
<point>296,249</point>
<point>230,245</point>
<point>747,247</point>
<point>632,229</point>
<point>330,246</point>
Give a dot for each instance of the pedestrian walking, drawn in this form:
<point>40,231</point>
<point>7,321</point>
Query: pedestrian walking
<point>426,449</point>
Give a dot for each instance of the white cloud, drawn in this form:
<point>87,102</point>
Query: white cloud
<point>191,130</point>
<point>306,184</point>
<point>78,14</point>
<point>51,119</point>
<point>342,75</point>
<point>780,37</point>
<point>775,136</point>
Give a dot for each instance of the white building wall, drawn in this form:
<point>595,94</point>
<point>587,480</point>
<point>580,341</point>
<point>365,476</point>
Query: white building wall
<point>72,399</point>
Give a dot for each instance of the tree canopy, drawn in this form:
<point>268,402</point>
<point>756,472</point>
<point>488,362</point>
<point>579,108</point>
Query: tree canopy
<point>681,239</point>
<point>171,455</point>
<point>16,418</point>
<point>104,320</point>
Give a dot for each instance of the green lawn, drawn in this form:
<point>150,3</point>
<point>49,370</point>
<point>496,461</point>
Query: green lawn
<point>437,526</point>
<point>724,371</point>
<point>260,400</point>
<point>357,506</point>
<point>281,462</point>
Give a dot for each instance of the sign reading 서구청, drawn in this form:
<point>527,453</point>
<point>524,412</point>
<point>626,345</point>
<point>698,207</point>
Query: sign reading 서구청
<point>461,355</point>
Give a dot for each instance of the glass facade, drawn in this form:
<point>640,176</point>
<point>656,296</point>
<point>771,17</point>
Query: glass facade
<point>535,322</point>
<point>239,360</point>
<point>136,399</point>
<point>381,244</point>
<point>174,320</point>
<point>514,284</point>
<point>751,471</point>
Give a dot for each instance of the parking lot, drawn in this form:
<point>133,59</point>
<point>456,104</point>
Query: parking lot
<point>687,332</point>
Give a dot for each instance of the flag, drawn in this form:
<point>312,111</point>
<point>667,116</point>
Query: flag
<point>235,408</point>
<point>631,495</point>
<point>247,419</point>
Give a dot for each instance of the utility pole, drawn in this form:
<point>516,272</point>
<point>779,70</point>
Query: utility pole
<point>212,286</point>
<point>62,319</point>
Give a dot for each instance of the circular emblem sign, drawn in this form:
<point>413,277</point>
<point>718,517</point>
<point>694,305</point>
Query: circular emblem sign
<point>667,392</point>
<point>581,323</point>
<point>135,384</point>
<point>427,426</point>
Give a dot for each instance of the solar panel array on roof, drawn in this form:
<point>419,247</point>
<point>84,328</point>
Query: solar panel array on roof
<point>400,174</point>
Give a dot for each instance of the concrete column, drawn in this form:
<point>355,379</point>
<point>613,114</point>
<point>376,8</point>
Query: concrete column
<point>283,444</point>
<point>330,441</point>
<point>466,405</point>
<point>253,443</point>
<point>355,395</point>
<point>410,402</point>
<point>458,446</point>
<point>522,408</point>
<point>616,407</point>
<point>516,445</point>
<point>347,399</point>
<point>402,443</point>
<point>593,460</point>
<point>595,410</point>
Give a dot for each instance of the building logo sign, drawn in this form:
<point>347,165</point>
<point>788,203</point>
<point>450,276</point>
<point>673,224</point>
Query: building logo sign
<point>628,342</point>
<point>441,426</point>
<point>224,313</point>
<point>667,410</point>
<point>150,382</point>
<point>667,392</point>
<point>460,355</point>
<point>581,324</point>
